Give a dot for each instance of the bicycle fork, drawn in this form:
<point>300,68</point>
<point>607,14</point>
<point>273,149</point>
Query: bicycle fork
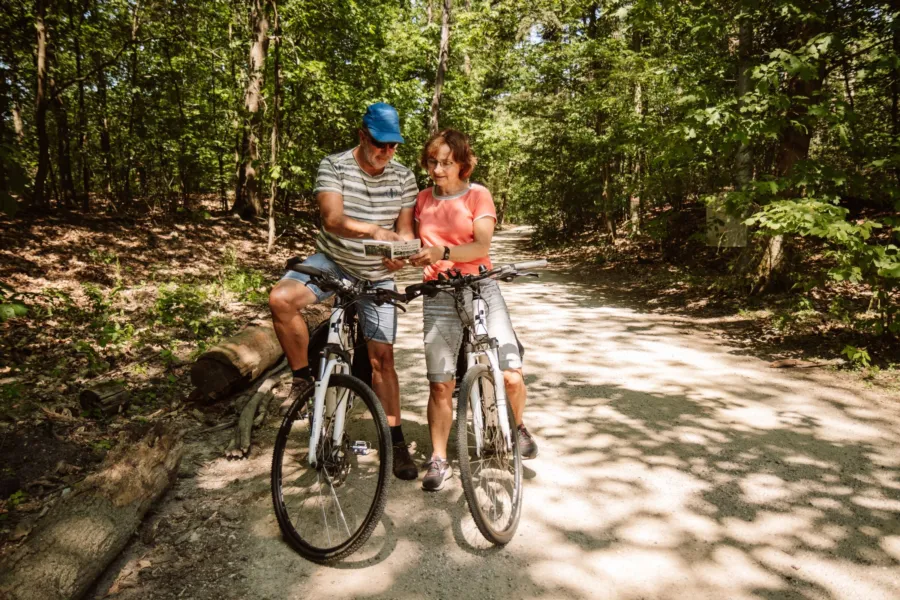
<point>492,354</point>
<point>327,403</point>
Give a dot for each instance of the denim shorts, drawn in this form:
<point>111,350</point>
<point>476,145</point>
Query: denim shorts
<point>379,323</point>
<point>444,331</point>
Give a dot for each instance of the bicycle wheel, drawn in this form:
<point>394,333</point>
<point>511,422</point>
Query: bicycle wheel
<point>492,481</point>
<point>328,511</point>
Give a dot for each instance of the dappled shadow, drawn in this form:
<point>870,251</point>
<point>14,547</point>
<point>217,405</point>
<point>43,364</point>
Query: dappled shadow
<point>669,467</point>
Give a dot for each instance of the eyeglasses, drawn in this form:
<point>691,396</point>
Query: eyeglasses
<point>380,145</point>
<point>433,164</point>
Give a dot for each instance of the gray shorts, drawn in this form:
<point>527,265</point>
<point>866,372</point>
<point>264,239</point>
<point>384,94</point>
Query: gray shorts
<point>379,323</point>
<point>444,331</point>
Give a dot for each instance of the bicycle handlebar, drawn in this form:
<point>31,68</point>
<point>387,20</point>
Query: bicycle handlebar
<point>329,282</point>
<point>456,281</point>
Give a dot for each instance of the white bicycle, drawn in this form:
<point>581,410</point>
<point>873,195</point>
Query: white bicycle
<point>332,456</point>
<point>490,464</point>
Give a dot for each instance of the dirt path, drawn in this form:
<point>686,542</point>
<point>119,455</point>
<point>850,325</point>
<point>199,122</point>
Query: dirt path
<point>671,466</point>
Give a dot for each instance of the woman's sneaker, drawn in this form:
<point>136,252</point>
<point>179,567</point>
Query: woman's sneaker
<point>438,472</point>
<point>527,446</point>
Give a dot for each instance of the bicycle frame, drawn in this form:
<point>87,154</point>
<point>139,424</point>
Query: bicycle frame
<point>325,404</point>
<point>481,344</point>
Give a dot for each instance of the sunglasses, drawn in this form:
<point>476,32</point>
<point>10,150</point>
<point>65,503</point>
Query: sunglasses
<point>381,145</point>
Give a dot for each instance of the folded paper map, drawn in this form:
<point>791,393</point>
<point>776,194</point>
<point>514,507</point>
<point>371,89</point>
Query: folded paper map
<point>392,250</point>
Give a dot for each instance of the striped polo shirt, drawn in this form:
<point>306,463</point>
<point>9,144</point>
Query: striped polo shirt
<point>371,199</point>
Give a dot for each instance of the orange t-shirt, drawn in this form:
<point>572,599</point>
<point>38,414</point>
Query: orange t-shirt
<point>449,221</point>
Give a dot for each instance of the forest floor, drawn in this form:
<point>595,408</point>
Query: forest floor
<point>674,460</point>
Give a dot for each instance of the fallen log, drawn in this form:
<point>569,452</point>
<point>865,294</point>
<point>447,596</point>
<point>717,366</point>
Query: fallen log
<point>107,398</point>
<point>84,531</point>
<point>245,356</point>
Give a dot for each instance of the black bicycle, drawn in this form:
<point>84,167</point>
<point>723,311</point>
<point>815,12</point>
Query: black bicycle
<point>332,456</point>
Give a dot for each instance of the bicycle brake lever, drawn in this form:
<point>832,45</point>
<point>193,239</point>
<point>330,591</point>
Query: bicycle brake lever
<point>400,306</point>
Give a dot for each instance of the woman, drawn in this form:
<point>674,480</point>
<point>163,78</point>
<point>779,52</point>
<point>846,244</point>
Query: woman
<point>455,220</point>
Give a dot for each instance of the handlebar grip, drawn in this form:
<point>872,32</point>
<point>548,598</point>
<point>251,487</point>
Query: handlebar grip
<point>413,291</point>
<point>530,264</point>
<point>398,296</point>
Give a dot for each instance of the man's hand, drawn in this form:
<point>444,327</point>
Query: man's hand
<point>393,265</point>
<point>385,235</point>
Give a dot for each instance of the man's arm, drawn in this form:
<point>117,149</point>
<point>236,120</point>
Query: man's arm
<point>405,227</point>
<point>331,207</point>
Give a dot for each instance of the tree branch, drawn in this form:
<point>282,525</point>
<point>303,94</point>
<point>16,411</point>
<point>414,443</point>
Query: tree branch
<point>60,88</point>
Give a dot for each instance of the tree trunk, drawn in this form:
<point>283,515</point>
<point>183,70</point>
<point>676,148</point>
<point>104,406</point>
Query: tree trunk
<point>182,163</point>
<point>248,204</point>
<point>82,116</point>
<point>87,529</point>
<point>609,215</point>
<point>40,103</point>
<point>744,158</point>
<point>635,202</point>
<point>64,152</point>
<point>443,58</point>
<point>895,85</point>
<point>276,106</point>
<point>501,211</point>
<point>103,125</point>
<point>133,109</point>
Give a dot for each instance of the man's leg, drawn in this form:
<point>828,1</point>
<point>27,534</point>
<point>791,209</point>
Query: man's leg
<point>387,388</point>
<point>286,300</point>
<point>384,379</point>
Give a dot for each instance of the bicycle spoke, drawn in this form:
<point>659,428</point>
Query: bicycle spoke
<point>332,507</point>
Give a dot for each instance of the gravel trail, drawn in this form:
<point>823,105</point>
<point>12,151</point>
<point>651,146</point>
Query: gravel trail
<point>671,466</point>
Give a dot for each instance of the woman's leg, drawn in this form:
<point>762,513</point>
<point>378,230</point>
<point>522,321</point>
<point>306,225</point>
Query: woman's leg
<point>515,392</point>
<point>440,415</point>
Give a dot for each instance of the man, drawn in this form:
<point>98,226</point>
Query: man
<point>362,194</point>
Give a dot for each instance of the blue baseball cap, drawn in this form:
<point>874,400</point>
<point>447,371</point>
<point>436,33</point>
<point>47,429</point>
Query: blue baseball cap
<point>383,123</point>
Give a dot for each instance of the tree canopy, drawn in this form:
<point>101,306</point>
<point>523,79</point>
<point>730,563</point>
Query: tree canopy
<point>588,116</point>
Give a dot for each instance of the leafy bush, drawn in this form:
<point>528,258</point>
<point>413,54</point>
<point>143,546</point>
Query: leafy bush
<point>190,308</point>
<point>849,245</point>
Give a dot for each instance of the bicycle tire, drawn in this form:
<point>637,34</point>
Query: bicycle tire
<point>290,466</point>
<point>501,459</point>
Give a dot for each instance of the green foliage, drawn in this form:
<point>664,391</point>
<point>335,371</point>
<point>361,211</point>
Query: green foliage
<point>855,255</point>
<point>189,308</point>
<point>11,304</point>
<point>17,498</point>
<point>858,356</point>
<point>248,284</point>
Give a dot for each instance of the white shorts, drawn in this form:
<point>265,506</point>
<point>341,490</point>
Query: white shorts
<point>444,331</point>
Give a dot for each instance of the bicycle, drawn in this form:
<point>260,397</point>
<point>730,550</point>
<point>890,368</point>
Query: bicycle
<point>490,464</point>
<point>332,455</point>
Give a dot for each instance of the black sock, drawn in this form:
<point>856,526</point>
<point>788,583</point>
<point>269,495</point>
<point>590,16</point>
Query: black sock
<point>303,372</point>
<point>397,435</point>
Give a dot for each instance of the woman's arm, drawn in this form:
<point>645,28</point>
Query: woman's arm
<point>480,247</point>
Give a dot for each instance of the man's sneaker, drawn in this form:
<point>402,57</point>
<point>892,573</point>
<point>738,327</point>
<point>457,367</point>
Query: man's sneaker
<point>299,387</point>
<point>438,472</point>
<point>404,467</point>
<point>527,446</point>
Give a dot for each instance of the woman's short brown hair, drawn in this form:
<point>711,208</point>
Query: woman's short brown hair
<point>460,150</point>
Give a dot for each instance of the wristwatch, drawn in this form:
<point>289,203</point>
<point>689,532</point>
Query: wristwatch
<point>446,253</point>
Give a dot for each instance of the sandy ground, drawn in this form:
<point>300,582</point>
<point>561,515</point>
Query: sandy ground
<point>671,466</point>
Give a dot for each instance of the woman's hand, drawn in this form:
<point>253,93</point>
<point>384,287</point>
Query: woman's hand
<point>427,256</point>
